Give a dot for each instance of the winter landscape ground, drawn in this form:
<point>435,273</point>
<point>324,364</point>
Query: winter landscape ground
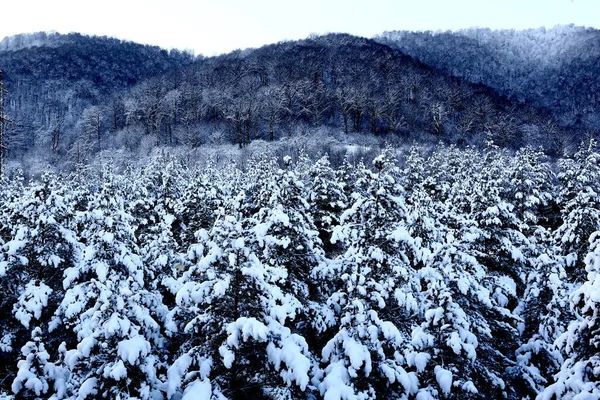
<point>325,219</point>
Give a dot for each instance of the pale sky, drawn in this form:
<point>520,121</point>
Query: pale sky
<point>217,26</point>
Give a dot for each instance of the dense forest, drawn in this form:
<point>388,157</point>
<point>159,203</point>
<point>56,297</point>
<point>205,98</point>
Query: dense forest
<point>401,274</point>
<point>556,68</point>
<point>72,96</point>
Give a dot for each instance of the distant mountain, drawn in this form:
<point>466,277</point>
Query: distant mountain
<point>340,81</point>
<point>51,78</point>
<point>557,68</point>
<point>73,95</point>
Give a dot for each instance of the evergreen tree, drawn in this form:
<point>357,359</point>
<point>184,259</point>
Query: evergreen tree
<point>109,307</point>
<point>579,375</point>
<point>580,206</point>
<point>544,313</point>
<point>236,316</point>
<point>41,247</point>
<point>326,199</point>
<point>531,182</point>
<point>373,300</point>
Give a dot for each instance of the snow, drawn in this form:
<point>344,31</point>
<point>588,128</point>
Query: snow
<point>401,234</point>
<point>118,371</point>
<point>444,379</point>
<point>424,394</point>
<point>420,361</point>
<point>291,352</point>
<point>101,270</point>
<point>88,388</point>
<point>31,302</point>
<point>108,237</point>
<point>227,356</point>
<point>336,384</point>
<point>198,390</point>
<point>19,241</point>
<point>358,355</point>
<point>134,350</point>
<point>116,325</point>
<point>176,372</point>
<point>469,386</point>
<point>28,380</point>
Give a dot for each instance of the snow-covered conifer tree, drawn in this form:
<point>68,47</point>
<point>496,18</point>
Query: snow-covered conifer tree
<point>544,315</point>
<point>530,182</point>
<point>580,206</point>
<point>236,315</point>
<point>326,199</point>
<point>195,209</point>
<point>579,375</point>
<point>109,307</point>
<point>374,300</point>
<point>41,247</point>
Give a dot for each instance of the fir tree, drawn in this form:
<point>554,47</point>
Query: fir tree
<point>110,309</point>
<point>236,318</point>
<point>579,375</point>
<point>580,207</point>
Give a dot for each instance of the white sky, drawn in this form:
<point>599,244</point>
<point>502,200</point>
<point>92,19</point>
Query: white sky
<point>211,26</point>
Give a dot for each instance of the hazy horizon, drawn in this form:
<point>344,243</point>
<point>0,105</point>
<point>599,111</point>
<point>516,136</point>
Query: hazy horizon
<point>216,27</point>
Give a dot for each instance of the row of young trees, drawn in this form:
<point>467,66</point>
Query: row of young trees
<point>455,274</point>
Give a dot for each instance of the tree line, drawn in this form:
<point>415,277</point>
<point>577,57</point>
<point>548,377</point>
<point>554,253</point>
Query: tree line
<point>125,96</point>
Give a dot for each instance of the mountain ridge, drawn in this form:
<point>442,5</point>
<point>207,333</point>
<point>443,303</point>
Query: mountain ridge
<point>554,68</point>
<point>96,93</point>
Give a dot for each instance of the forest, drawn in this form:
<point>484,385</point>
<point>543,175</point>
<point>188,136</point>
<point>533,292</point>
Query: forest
<point>555,68</point>
<point>401,273</point>
<point>70,97</point>
<point>413,216</point>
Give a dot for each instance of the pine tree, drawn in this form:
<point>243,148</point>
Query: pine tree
<point>37,376</point>
<point>373,300</point>
<point>530,181</point>
<point>326,200</point>
<point>195,209</point>
<point>580,206</point>
<point>236,315</point>
<point>41,247</point>
<point>109,307</point>
<point>544,313</point>
<point>579,375</point>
